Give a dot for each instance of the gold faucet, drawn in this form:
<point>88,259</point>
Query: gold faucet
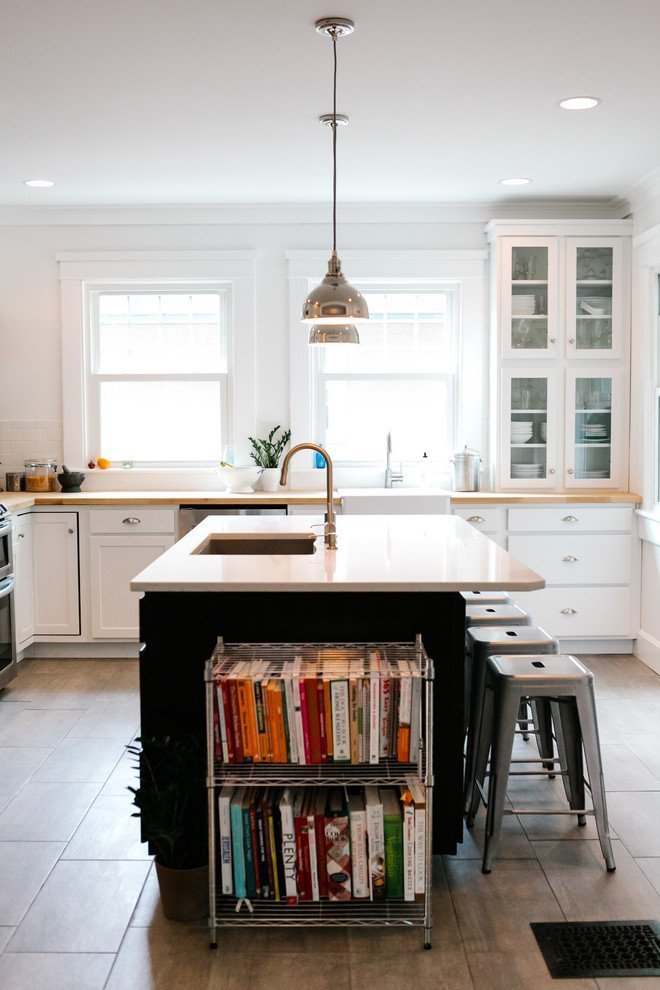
<point>330,528</point>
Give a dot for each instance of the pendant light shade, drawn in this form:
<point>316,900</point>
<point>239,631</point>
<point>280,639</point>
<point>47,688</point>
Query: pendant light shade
<point>335,302</point>
<point>335,333</point>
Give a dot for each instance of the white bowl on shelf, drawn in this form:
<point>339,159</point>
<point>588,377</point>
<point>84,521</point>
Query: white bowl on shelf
<point>238,480</point>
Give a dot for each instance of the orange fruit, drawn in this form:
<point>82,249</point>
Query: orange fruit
<point>103,463</point>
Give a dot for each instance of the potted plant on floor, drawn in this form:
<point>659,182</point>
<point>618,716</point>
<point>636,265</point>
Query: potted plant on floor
<point>266,455</point>
<point>172,803</point>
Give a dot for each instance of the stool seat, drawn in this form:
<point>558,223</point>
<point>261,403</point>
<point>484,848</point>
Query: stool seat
<point>568,684</point>
<point>496,615</point>
<point>487,597</point>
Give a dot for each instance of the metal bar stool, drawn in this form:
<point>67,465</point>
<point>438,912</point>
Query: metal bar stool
<point>569,685</point>
<point>487,597</point>
<point>487,615</point>
<point>483,642</point>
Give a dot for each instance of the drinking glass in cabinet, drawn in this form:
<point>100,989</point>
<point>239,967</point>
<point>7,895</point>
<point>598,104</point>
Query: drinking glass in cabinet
<point>529,263</point>
<point>529,393</point>
<point>593,333</point>
<point>593,393</point>
<point>594,263</point>
<point>529,334</point>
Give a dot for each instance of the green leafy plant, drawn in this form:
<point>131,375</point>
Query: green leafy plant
<point>267,453</point>
<point>171,799</point>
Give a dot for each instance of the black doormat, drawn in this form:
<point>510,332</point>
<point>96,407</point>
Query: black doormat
<point>575,949</point>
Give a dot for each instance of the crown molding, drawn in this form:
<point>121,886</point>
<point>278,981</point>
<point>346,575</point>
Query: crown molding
<point>644,192</point>
<point>305,213</point>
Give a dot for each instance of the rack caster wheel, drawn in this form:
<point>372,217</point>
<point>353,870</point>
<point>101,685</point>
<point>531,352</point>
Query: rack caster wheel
<point>213,945</point>
<point>485,872</point>
<point>611,869</point>
<point>427,945</point>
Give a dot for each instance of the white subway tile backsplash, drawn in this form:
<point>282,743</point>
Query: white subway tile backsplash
<point>42,434</point>
<point>52,433</point>
<point>28,434</point>
<point>28,439</point>
<point>47,424</point>
<point>13,433</point>
<point>26,424</point>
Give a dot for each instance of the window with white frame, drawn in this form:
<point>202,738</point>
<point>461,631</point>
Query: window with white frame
<point>400,379</point>
<point>158,370</point>
<point>157,346</point>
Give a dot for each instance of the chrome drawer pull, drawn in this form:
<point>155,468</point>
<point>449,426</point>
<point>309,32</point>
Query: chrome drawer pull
<point>131,520</point>
<point>476,519</point>
<point>569,559</point>
<point>570,519</point>
<point>568,611</point>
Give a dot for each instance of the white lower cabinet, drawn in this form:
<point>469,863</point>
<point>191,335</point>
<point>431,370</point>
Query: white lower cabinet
<point>122,542</point>
<point>55,585</point>
<point>23,547</point>
<point>583,613</point>
<point>114,562</point>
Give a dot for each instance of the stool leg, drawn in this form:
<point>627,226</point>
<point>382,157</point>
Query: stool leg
<point>543,725</point>
<point>561,750</point>
<point>467,697</point>
<point>507,703</point>
<point>586,707</point>
<point>523,718</point>
<point>484,732</point>
<point>572,737</point>
<point>477,688</point>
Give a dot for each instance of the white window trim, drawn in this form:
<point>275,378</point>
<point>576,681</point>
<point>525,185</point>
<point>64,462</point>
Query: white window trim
<point>80,272</point>
<point>420,269</point>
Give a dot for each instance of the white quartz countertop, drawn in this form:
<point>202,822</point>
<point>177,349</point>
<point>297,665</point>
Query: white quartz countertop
<point>374,553</point>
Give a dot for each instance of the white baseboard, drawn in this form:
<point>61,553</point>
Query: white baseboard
<point>90,651</point>
<point>648,650</point>
<point>589,646</point>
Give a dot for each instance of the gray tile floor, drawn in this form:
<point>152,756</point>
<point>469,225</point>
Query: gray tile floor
<point>79,900</point>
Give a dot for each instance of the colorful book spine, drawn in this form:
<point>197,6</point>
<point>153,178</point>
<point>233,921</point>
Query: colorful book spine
<point>321,800</point>
<point>385,716</point>
<point>308,811</point>
<point>302,846</point>
<point>338,848</point>
<point>393,831</point>
<point>358,831</point>
<point>376,843</point>
<point>374,710</point>
<point>288,846</point>
<point>297,708</point>
<point>237,846</point>
<point>340,721</point>
<point>320,701</point>
<point>235,721</point>
<point>224,831</point>
<point>266,825</point>
<point>275,829</point>
<point>304,721</point>
<point>327,708</point>
<point>415,716</point>
<point>418,792</point>
<point>261,721</point>
<point>292,733</point>
<point>223,699</point>
<point>311,695</point>
<point>250,838</point>
<point>353,719</point>
<point>408,839</point>
<point>264,879</point>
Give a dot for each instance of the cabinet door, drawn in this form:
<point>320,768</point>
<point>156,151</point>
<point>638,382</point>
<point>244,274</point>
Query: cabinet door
<point>529,303</point>
<point>594,429</point>
<point>56,590</point>
<point>529,429</point>
<point>24,574</point>
<point>594,297</point>
<point>114,562</point>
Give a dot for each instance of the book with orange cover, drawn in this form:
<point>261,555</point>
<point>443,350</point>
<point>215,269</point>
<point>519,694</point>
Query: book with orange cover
<point>251,704</point>
<point>276,712</point>
<point>244,688</point>
<point>311,696</point>
<point>235,721</point>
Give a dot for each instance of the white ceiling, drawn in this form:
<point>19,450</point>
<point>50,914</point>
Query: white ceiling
<point>207,101</point>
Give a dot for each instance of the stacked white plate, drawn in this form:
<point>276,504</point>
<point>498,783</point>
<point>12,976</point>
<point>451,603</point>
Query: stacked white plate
<point>543,430</point>
<point>523,305</point>
<point>526,470</point>
<point>597,474</point>
<point>521,432</point>
<point>595,432</point>
<point>596,305</point>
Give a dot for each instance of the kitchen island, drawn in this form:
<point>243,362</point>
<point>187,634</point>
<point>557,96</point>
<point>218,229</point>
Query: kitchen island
<point>389,579</point>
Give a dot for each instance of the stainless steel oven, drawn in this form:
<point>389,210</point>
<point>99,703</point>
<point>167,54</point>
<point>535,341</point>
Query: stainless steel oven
<point>7,619</point>
<point>6,527</point>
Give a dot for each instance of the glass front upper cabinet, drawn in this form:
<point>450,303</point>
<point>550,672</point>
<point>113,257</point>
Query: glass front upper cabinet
<point>594,303</point>
<point>592,442</point>
<point>529,443</point>
<point>529,298</point>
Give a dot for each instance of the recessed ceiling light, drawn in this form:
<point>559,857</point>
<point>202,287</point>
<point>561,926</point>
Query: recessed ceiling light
<point>38,183</point>
<point>579,103</point>
<point>515,182</point>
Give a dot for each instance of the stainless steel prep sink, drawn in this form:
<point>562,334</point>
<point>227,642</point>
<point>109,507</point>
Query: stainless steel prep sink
<point>257,543</point>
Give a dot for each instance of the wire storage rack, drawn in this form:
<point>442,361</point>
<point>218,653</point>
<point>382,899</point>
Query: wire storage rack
<point>327,661</point>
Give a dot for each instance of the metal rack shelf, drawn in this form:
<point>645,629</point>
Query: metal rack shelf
<point>334,659</point>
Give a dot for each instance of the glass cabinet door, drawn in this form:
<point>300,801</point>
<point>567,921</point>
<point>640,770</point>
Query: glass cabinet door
<point>594,297</point>
<point>529,443</point>
<point>592,427</point>
<point>529,297</point>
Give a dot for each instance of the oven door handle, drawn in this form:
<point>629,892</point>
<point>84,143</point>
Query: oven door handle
<point>6,528</point>
<point>6,588</point>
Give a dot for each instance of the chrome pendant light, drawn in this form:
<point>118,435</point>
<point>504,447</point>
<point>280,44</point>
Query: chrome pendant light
<point>334,306</point>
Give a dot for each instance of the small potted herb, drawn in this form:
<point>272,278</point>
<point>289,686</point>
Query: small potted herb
<point>172,803</point>
<point>266,454</point>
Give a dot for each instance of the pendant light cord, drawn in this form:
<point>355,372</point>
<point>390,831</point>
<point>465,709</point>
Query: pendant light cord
<point>334,144</point>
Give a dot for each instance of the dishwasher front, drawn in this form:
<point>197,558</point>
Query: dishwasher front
<point>191,515</point>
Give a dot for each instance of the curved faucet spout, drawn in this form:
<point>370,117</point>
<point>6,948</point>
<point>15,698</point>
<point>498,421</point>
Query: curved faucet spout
<point>330,529</point>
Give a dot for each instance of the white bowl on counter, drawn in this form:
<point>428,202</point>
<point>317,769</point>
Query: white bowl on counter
<point>238,480</point>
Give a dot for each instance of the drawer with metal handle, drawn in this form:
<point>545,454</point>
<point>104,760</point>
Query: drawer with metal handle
<point>575,558</point>
<point>488,519</point>
<point>132,519</point>
<point>576,518</point>
<point>576,612</point>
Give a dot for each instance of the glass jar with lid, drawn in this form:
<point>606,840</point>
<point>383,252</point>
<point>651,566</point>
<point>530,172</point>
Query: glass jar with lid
<point>40,475</point>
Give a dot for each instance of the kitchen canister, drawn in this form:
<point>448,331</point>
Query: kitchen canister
<point>466,470</point>
<point>15,481</point>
